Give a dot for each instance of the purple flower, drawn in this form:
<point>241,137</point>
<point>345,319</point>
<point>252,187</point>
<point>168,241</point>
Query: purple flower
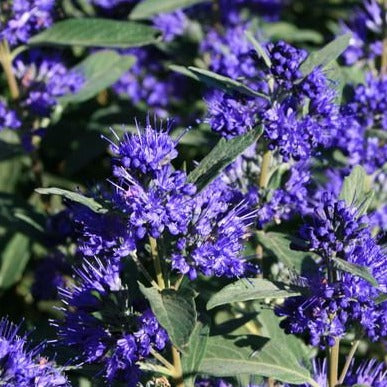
<point>43,79</point>
<point>8,118</point>
<point>21,364</point>
<point>286,61</point>
<point>365,26</point>
<point>229,115</point>
<point>370,373</point>
<point>26,18</point>
<point>171,24</point>
<point>335,302</point>
<point>146,152</point>
<point>292,198</point>
<point>103,324</point>
<point>149,83</point>
<point>214,244</point>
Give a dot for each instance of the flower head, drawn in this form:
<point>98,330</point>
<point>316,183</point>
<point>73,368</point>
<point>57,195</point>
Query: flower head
<point>21,365</point>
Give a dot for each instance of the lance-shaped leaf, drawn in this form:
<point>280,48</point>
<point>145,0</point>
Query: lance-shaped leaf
<point>224,153</point>
<point>326,55</point>
<point>224,83</point>
<point>260,50</point>
<point>175,311</point>
<point>248,289</point>
<point>358,270</point>
<point>100,70</point>
<point>196,347</point>
<point>253,355</point>
<point>13,259</point>
<point>296,348</point>
<point>355,191</point>
<point>148,8</point>
<point>75,197</point>
<point>92,32</point>
<point>278,244</point>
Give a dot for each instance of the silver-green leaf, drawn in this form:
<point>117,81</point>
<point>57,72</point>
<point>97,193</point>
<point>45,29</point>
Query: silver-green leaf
<point>75,197</point>
<point>326,55</point>
<point>176,312</point>
<point>100,70</point>
<point>248,289</point>
<point>224,153</point>
<point>147,8</point>
<point>93,32</point>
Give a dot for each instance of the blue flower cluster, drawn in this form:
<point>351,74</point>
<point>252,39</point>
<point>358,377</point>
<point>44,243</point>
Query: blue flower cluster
<point>148,82</point>
<point>365,121</point>
<point>22,365</point>
<point>24,18</point>
<point>106,324</point>
<point>338,299</point>
<point>43,78</point>
<point>171,24</point>
<point>366,28</point>
<point>293,133</point>
<point>205,231</point>
<point>8,118</point>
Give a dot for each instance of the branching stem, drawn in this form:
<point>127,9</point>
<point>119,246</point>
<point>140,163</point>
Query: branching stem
<point>348,361</point>
<point>6,62</point>
<point>162,360</point>
<point>333,363</point>
<point>179,381</point>
<point>157,263</point>
<point>265,169</point>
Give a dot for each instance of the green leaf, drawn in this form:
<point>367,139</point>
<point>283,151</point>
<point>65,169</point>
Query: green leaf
<point>279,245</point>
<point>260,50</point>
<point>248,289</point>
<point>92,32</point>
<point>295,347</point>
<point>358,270</point>
<point>252,355</point>
<point>14,259</point>
<point>355,190</point>
<point>224,83</point>
<point>194,355</point>
<point>184,71</point>
<point>100,70</point>
<point>326,55</point>
<point>21,217</point>
<point>175,311</point>
<point>224,153</point>
<point>289,32</point>
<point>148,8</point>
<point>381,298</point>
<point>75,197</point>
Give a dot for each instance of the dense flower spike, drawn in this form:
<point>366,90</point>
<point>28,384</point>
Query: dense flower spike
<point>25,18</point>
<point>22,365</point>
<point>338,299</point>
<point>8,118</point>
<point>148,82</point>
<point>366,28</point>
<point>286,61</point>
<point>44,78</point>
<point>106,325</point>
<point>291,199</point>
<point>214,243</point>
<point>158,202</point>
<point>171,24</point>
<point>365,119</point>
<point>230,116</point>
